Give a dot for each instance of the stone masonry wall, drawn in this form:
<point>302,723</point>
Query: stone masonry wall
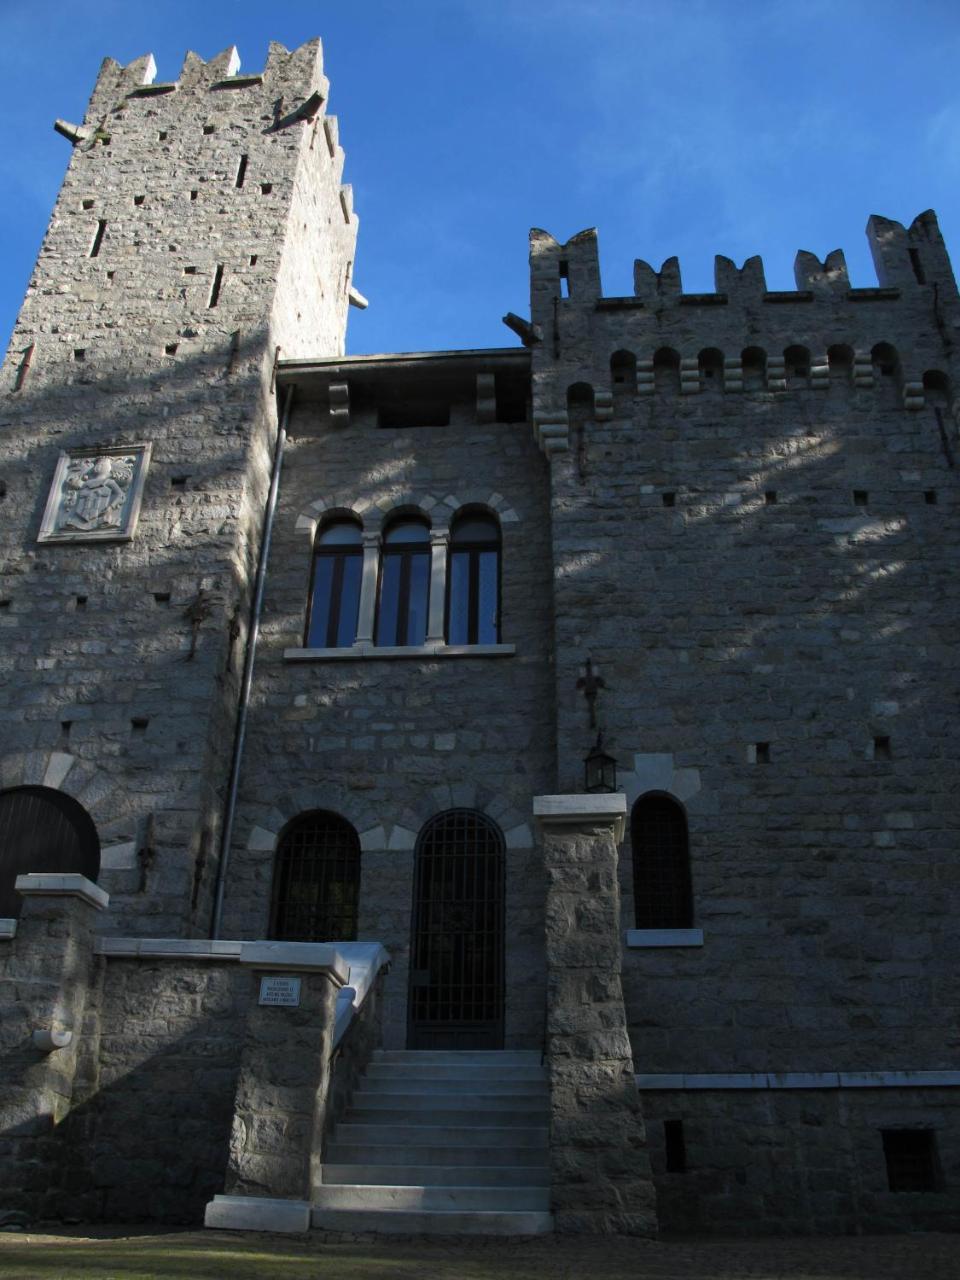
<point>772,562</point>
<point>798,1161</point>
<point>409,737</point>
<point>121,341</point>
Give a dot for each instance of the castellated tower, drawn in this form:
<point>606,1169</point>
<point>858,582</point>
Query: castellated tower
<point>202,232</point>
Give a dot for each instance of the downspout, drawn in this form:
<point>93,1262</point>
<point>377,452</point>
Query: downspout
<point>255,609</point>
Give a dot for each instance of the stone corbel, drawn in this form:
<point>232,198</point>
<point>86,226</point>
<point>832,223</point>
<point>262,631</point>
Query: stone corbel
<point>340,403</point>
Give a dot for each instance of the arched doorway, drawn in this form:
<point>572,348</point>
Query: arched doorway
<point>43,830</point>
<point>456,953</point>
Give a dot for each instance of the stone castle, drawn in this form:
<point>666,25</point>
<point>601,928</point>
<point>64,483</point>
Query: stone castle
<point>504,790</point>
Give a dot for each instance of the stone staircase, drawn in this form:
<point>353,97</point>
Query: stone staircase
<point>441,1142</point>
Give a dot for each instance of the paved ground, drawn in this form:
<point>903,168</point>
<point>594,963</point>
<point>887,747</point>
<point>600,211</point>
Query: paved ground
<point>124,1254</point>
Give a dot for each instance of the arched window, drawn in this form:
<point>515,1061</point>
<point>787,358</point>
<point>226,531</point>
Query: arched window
<point>666,371</point>
<point>796,362</point>
<point>754,361</point>
<point>662,892</point>
<point>473,581</point>
<point>710,365</point>
<point>404,595</point>
<point>335,586</point>
<point>316,880</point>
<point>43,830</point>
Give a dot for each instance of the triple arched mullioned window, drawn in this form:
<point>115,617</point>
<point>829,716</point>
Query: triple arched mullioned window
<point>412,586</point>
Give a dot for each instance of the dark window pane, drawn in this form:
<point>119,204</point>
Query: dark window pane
<point>349,600</point>
<point>662,890</point>
<point>389,599</point>
<point>419,597</point>
<point>343,533</point>
<point>459,597</point>
<point>476,529</point>
<point>316,881</point>
<point>487,603</point>
<point>407,531</point>
<point>320,605</point>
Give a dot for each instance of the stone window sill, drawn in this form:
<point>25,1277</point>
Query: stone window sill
<point>664,938</point>
<point>375,652</point>
<point>8,928</point>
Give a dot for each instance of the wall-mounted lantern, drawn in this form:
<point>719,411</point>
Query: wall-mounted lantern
<point>599,769</point>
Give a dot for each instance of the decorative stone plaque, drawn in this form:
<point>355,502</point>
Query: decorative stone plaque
<point>282,992</point>
<point>95,495</point>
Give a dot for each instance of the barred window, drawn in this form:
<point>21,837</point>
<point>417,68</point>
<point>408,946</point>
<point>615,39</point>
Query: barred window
<point>43,830</point>
<point>335,586</point>
<point>473,585</point>
<point>316,880</point>
<point>662,891</point>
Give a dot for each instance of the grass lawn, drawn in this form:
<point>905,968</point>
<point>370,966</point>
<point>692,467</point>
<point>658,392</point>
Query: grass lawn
<point>125,1254</point>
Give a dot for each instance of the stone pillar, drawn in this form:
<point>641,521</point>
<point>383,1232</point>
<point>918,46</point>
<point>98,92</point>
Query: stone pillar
<point>600,1169</point>
<point>47,970</point>
<point>439,544</point>
<point>278,1117</point>
<point>367,612</point>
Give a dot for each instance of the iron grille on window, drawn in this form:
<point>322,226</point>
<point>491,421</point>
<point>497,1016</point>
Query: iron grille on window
<point>316,881</point>
<point>43,830</point>
<point>911,1156</point>
<point>457,960</point>
<point>662,892</point>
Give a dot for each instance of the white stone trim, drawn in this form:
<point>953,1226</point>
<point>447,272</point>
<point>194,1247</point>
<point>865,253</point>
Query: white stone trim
<point>664,937</point>
<point>299,957</point>
<point>8,928</point>
<point>257,1213</point>
<point>119,857</point>
<point>656,771</point>
<point>372,652</point>
<point>800,1080</point>
<point>582,810</point>
<point>168,949</point>
<point>48,884</point>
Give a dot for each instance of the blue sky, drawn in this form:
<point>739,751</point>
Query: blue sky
<point>680,126</point>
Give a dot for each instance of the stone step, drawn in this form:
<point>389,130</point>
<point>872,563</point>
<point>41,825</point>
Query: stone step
<point>389,1083</point>
<point>444,1135</point>
<point>491,1059</point>
<point>373,1152</point>
<point>449,1198</point>
<point>462,1072</point>
<point>438,1175</point>
<point>423,1222</point>
<point>438,1111</point>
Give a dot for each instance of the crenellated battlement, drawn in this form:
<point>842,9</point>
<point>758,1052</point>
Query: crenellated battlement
<point>296,76</point>
<point>906,259</point>
<point>591,351</point>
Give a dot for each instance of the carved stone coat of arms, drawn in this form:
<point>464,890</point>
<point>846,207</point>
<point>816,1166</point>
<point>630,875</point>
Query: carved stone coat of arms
<point>95,495</point>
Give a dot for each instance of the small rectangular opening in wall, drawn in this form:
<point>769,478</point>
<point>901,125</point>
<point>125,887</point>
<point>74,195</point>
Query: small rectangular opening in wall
<point>930,497</point>
<point>860,497</point>
<point>65,727</point>
<point>171,348</point>
<point>189,271</point>
<point>675,1149</point>
<point>162,135</point>
<point>770,497</point>
<point>161,597</point>
<point>669,499</point>
<point>4,604</point>
<point>194,194</point>
<point>81,602</point>
<point>266,188</point>
<point>564,278</point>
<point>178,482</point>
<point>138,200</point>
<point>253,259</point>
<point>208,129</point>
<point>242,170</point>
<point>111,275</point>
<point>917,265</point>
<point>881,748</point>
<point>79,353</point>
<point>139,724</point>
<point>912,1161</point>
<point>88,204</point>
<point>98,239</point>
<point>762,752</point>
<point>216,286</point>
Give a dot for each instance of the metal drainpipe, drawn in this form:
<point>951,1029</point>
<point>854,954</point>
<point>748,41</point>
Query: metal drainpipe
<point>248,657</point>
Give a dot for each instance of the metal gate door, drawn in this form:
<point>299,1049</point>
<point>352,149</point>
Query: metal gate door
<point>456,960</point>
<point>43,830</point>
